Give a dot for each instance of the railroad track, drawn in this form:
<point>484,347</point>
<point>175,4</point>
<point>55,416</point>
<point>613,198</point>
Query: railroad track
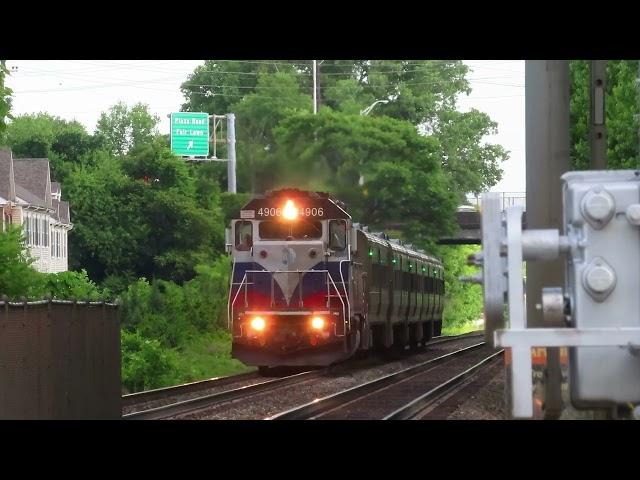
<point>140,398</point>
<point>201,402</point>
<point>402,395</point>
<point>206,401</point>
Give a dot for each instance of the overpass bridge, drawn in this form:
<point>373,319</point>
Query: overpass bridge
<point>468,218</point>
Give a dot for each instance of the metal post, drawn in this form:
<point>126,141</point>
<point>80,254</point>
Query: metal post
<point>231,148</point>
<point>315,94</point>
<point>547,147</point>
<point>598,130</point>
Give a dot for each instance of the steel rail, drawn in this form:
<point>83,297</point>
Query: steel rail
<point>411,409</point>
<point>205,401</point>
<point>319,406</point>
<point>164,392</point>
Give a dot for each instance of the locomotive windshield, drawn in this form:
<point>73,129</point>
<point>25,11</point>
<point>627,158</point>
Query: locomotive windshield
<point>300,230</point>
<point>337,234</point>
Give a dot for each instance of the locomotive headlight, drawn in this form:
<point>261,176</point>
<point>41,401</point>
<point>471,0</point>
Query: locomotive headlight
<point>289,212</point>
<point>258,323</point>
<point>317,323</point>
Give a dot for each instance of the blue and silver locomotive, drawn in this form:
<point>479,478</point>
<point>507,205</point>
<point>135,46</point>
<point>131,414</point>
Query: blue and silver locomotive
<point>310,287</point>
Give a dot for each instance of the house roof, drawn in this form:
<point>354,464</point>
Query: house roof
<point>32,174</point>
<point>27,181</point>
<point>28,197</point>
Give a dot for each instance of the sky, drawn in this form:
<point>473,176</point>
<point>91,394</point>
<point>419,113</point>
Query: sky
<point>82,89</point>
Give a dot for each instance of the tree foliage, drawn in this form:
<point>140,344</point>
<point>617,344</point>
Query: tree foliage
<point>622,106</point>
<point>124,128</point>
<point>388,174</point>
<point>42,135</point>
<point>463,301</point>
<point>17,278</point>
<point>141,215</point>
<point>5,98</point>
<point>421,93</point>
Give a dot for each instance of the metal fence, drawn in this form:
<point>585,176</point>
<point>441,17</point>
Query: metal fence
<point>59,360</point>
<point>508,199</point>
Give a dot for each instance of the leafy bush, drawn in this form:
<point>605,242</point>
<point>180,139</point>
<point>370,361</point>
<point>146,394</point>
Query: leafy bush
<point>72,285</point>
<point>17,278</point>
<point>463,301</point>
<point>145,364</point>
<point>171,313</point>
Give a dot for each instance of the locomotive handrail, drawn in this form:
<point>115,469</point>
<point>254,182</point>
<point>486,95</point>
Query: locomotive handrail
<point>229,319</point>
<point>346,309</point>
<point>345,288</point>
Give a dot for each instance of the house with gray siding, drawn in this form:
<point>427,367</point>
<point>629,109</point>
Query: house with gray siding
<point>30,199</point>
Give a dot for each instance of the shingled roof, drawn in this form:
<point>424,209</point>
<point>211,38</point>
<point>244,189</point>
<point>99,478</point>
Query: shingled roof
<point>28,179</point>
<point>32,174</point>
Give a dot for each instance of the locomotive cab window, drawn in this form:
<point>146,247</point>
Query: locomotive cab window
<point>337,235</point>
<point>299,230</point>
<point>244,235</point>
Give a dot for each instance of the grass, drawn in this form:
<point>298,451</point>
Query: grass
<point>462,329</point>
<point>205,356</point>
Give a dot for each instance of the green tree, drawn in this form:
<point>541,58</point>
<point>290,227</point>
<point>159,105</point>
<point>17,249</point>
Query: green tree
<point>622,107</point>
<point>463,301</point>
<point>473,167</point>
<point>145,363</point>
<point>109,229</point>
<point>124,128</point>
<point>5,98</point>
<point>388,174</point>
<point>72,285</point>
<point>218,84</point>
<point>183,231</point>
<point>17,278</point>
<point>44,136</point>
<point>277,96</point>
<point>422,93</point>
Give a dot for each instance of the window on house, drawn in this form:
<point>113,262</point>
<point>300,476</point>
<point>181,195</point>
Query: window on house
<point>25,223</point>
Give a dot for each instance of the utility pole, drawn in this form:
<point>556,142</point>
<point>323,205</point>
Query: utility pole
<point>315,88</point>
<point>598,129</point>
<point>547,147</point>
<point>231,142</point>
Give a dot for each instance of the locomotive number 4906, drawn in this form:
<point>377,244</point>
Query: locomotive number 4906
<point>303,212</point>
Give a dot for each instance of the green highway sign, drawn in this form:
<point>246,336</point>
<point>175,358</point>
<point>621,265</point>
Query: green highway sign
<point>190,134</point>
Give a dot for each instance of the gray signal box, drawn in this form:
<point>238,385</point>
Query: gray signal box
<point>599,303</point>
<point>602,217</point>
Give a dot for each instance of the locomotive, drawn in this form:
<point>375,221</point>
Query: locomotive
<point>309,287</point>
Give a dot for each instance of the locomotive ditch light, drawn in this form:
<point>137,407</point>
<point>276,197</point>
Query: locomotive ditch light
<point>317,323</point>
<point>289,212</point>
<point>258,323</point>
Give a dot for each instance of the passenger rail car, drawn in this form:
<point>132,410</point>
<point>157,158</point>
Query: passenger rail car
<point>309,287</point>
